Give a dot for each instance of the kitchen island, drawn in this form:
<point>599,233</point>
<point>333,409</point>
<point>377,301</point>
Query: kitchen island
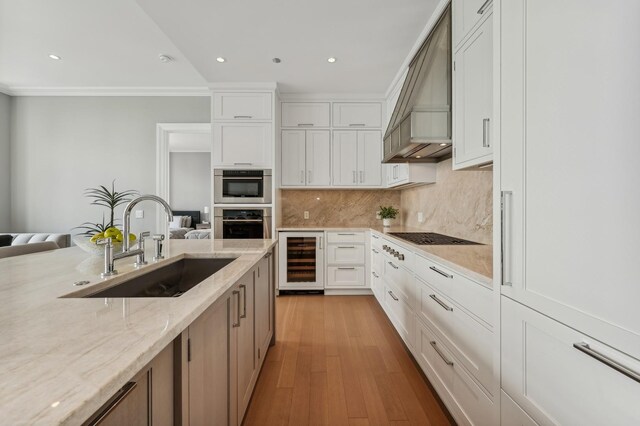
<point>62,358</point>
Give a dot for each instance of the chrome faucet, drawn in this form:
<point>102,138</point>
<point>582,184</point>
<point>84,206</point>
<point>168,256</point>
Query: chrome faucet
<point>110,257</point>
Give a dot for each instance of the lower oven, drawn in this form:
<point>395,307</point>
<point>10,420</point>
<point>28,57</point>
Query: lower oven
<point>239,223</point>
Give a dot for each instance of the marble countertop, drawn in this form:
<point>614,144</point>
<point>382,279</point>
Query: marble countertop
<point>62,358</point>
<point>474,261</point>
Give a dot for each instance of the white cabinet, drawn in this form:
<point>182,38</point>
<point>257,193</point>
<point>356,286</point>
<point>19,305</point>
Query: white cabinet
<point>558,108</point>
<point>357,114</point>
<point>241,106</point>
<point>346,277</point>
<point>306,114</point>
<point>466,15</point>
<point>410,174</point>
<point>306,158</point>
<point>357,157</point>
<point>545,371</point>
<point>346,260</point>
<point>473,98</point>
<point>301,261</point>
<point>242,145</point>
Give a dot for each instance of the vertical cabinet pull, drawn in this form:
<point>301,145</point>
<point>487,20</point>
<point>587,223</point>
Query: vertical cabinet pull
<point>243,288</point>
<point>483,7</point>
<point>485,133</point>
<point>237,322</point>
<point>361,176</point>
<point>507,201</point>
<point>301,176</point>
<point>354,176</point>
<point>309,176</point>
<point>320,243</point>
<point>433,343</point>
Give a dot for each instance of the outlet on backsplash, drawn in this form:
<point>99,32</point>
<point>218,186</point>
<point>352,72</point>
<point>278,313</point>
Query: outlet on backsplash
<point>306,214</point>
<point>420,217</point>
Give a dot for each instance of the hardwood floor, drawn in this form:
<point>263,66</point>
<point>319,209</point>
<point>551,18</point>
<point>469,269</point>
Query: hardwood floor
<point>338,361</point>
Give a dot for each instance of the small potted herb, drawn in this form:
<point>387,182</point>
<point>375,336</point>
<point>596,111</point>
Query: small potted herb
<point>387,214</point>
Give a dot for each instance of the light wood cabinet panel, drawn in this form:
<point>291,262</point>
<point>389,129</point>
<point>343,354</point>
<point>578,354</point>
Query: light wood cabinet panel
<point>263,307</point>
<point>247,368</point>
<point>357,114</point>
<point>131,406</point>
<point>306,114</point>
<point>242,106</point>
<point>242,144</point>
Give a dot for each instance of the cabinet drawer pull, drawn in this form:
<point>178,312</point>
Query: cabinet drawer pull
<point>441,303</point>
<point>393,296</point>
<point>483,7</point>
<point>357,125</point>
<point>485,133</point>
<point>350,268</point>
<point>361,176</point>
<point>375,275</point>
<point>309,176</point>
<point>305,124</point>
<point>375,237</point>
<point>375,251</point>
<point>435,348</point>
<point>243,288</point>
<point>237,322</point>
<point>243,116</point>
<point>444,274</point>
<point>585,348</point>
<point>506,204</point>
<point>116,400</point>
<point>392,265</point>
<point>346,233</point>
<point>243,164</point>
<point>350,247</point>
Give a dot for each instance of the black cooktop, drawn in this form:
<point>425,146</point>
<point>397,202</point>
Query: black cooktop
<point>432,239</point>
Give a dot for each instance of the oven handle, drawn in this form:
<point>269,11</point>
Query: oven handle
<point>242,178</point>
<point>243,220</point>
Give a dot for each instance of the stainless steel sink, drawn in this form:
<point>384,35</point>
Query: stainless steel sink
<point>172,280</point>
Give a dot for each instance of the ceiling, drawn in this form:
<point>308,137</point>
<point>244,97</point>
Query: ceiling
<point>116,43</point>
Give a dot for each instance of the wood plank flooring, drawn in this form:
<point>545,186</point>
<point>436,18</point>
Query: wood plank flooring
<point>338,361</point>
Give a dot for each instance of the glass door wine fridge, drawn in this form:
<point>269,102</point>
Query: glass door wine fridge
<point>301,261</point>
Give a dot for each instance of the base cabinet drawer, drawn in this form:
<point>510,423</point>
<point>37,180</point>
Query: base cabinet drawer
<point>511,414</point>
<point>377,260</point>
<point>560,376</point>
<point>345,276</point>
<point>400,314</point>
<point>345,254</point>
<point>465,399</point>
<point>401,280</point>
<point>376,286</point>
<point>471,342</point>
<point>346,237</point>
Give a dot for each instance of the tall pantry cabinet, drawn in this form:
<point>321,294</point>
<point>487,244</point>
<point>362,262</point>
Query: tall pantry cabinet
<point>568,176</point>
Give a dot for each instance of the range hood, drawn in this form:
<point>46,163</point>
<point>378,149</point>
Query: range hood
<point>420,126</point>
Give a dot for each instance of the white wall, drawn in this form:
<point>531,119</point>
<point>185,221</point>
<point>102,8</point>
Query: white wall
<point>5,163</point>
<point>62,145</point>
<point>190,180</point>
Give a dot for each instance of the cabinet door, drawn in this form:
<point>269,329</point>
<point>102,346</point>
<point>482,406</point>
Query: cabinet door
<point>554,381</point>
<point>369,158</point>
<point>345,158</point>
<point>318,159</point>
<point>246,349</point>
<point>558,108</point>
<point>357,114</point>
<point>466,14</point>
<point>242,144</point>
<point>293,158</point>
<point>263,307</point>
<point>209,366</point>
<point>129,406</point>
<point>306,114</point>
<point>242,106</point>
<point>473,92</point>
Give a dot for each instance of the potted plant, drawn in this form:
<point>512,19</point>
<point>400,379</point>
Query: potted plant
<point>92,232</point>
<point>387,214</point>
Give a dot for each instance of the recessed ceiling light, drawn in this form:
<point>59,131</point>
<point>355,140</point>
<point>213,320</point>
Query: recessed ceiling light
<point>331,60</point>
<point>165,58</point>
<point>443,144</point>
<point>220,59</point>
<point>56,57</point>
<point>418,156</point>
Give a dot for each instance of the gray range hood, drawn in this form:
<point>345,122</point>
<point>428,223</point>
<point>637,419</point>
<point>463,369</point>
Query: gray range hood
<point>420,126</point>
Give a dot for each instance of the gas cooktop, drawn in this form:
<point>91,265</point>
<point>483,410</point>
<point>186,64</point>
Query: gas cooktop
<point>432,239</point>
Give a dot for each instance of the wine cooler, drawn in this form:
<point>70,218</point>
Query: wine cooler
<point>301,261</point>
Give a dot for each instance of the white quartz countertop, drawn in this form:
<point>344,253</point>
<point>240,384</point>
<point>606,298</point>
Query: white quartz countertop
<point>474,261</point>
<point>62,358</point>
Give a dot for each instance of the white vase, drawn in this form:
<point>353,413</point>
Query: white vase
<point>386,222</point>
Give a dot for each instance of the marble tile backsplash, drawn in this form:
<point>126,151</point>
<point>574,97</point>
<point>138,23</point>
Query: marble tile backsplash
<point>337,208</point>
<point>458,204</point>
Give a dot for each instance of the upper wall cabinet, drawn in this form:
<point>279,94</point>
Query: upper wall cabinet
<point>466,15</point>
<point>473,98</point>
<point>242,106</point>
<point>242,144</point>
<point>306,114</point>
<point>357,114</point>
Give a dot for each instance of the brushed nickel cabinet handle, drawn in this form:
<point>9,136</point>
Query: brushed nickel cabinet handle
<point>320,243</point>
<point>346,233</point>
<point>301,176</point>
<point>347,247</point>
<point>444,274</point>
<point>392,265</point>
<point>441,303</point>
<point>237,323</point>
<point>485,133</point>
<point>309,176</point>
<point>243,288</point>
<point>243,164</point>
<point>361,176</point>
<point>305,124</point>
<point>435,348</point>
<point>483,7</point>
<point>116,400</point>
<point>506,204</point>
<point>243,116</point>
<point>375,251</point>
<point>374,274</point>
<point>585,348</point>
<point>357,125</point>
<point>350,268</point>
<point>393,296</point>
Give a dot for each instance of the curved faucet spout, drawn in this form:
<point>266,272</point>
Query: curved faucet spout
<point>126,216</point>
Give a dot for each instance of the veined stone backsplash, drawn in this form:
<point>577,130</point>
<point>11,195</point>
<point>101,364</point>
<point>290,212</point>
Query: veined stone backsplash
<point>458,204</point>
<point>355,208</point>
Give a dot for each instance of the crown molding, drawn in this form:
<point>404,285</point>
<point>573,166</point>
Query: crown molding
<point>247,86</point>
<point>353,97</point>
<point>108,91</point>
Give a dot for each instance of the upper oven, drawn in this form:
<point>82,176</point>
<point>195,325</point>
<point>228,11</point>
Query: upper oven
<point>241,186</point>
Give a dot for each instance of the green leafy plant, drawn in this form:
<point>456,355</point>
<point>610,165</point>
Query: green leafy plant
<point>388,212</point>
<point>102,196</point>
